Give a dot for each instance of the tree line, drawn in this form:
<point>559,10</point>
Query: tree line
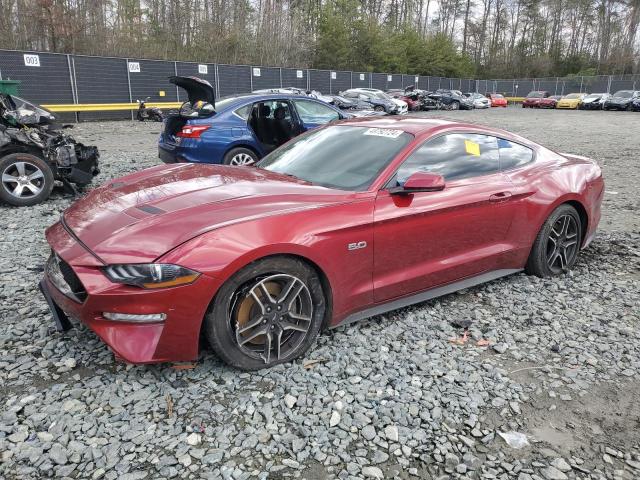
<point>458,38</point>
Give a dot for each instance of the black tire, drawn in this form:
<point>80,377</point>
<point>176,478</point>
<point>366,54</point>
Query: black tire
<point>37,190</point>
<point>455,105</point>
<point>236,156</point>
<point>224,315</point>
<point>546,259</point>
<point>156,117</point>
<point>378,108</point>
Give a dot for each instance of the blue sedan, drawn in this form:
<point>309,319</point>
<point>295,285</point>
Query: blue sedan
<point>237,130</point>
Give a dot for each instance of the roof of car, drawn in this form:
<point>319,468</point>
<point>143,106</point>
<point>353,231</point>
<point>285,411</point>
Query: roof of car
<point>406,123</point>
<point>256,97</point>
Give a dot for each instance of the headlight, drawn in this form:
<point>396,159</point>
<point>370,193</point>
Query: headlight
<point>150,275</point>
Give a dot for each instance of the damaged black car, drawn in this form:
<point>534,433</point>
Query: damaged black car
<point>34,154</point>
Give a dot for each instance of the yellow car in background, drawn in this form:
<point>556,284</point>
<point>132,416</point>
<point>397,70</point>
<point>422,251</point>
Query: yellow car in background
<point>572,101</point>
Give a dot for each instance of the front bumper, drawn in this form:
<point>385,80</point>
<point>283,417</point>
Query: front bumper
<point>174,339</point>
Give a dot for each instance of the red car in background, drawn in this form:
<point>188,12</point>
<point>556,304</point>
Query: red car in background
<point>497,100</point>
<point>341,223</point>
<point>532,100</point>
<point>413,103</point>
<point>549,102</point>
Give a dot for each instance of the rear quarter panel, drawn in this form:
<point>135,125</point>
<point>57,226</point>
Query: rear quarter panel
<point>551,180</point>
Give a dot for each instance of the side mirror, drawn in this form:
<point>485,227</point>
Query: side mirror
<point>420,182</point>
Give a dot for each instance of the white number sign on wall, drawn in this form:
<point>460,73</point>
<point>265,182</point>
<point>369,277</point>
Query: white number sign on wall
<point>256,72</point>
<point>416,79</point>
<point>333,75</point>
<point>203,69</point>
<point>31,60</point>
<point>298,73</point>
<point>362,76</point>
<point>389,78</point>
<point>134,67</point>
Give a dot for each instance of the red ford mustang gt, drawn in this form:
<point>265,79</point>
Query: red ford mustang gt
<point>341,223</point>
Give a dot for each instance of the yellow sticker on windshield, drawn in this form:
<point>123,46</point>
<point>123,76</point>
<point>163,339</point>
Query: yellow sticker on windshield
<point>472,148</point>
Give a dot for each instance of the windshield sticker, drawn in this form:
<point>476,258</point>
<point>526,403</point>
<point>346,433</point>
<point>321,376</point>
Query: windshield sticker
<point>383,132</point>
<point>472,148</point>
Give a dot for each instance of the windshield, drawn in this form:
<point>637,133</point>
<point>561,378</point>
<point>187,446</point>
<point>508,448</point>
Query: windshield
<point>222,104</point>
<point>572,96</point>
<point>344,157</point>
<point>593,96</point>
<point>623,94</point>
<point>496,95</point>
<point>535,95</point>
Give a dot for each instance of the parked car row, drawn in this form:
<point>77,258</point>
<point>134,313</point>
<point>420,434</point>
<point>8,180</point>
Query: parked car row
<point>621,100</point>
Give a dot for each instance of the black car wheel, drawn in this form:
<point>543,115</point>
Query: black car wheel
<point>455,105</point>
<point>557,245</point>
<point>269,312</point>
<point>25,179</point>
<point>379,108</point>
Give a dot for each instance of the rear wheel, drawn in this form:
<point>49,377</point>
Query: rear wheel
<point>557,245</point>
<point>25,179</point>
<point>240,156</point>
<point>269,312</point>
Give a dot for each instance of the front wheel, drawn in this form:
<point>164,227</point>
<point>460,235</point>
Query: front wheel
<point>557,245</point>
<point>378,108</point>
<point>269,312</point>
<point>240,157</point>
<point>26,179</point>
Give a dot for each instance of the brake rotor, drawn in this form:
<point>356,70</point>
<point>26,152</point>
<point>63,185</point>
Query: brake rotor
<point>249,308</point>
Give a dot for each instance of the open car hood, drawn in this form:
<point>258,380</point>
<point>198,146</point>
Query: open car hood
<point>196,88</point>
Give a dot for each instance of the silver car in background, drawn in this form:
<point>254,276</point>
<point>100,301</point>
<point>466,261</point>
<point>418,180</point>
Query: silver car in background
<point>479,100</point>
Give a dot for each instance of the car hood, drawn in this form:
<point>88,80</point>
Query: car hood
<point>140,217</point>
<point>196,88</point>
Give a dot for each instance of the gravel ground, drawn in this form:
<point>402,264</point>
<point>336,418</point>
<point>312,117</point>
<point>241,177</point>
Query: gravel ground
<point>391,397</point>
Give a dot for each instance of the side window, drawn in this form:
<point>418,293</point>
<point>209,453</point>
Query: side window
<point>314,112</point>
<point>243,112</point>
<point>454,156</point>
<point>513,155</point>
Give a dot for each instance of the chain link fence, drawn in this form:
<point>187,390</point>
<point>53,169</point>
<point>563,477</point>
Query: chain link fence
<point>51,78</point>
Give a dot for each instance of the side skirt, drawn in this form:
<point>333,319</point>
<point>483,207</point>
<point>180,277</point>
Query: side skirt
<point>427,295</point>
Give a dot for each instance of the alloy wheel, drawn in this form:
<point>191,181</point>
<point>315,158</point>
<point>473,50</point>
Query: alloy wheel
<point>241,159</point>
<point>562,244</point>
<point>271,316</point>
<point>23,180</point>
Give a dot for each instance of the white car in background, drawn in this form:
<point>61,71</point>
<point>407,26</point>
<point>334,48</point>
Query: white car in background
<point>379,99</point>
<point>296,91</point>
<point>479,100</point>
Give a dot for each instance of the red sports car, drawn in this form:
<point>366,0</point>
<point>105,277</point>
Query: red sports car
<point>341,223</point>
<point>497,100</point>
<point>549,102</point>
<point>532,100</point>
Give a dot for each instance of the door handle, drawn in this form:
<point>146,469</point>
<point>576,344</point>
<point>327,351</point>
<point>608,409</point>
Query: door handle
<point>500,197</point>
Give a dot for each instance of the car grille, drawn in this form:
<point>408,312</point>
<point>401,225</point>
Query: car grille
<point>64,278</point>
